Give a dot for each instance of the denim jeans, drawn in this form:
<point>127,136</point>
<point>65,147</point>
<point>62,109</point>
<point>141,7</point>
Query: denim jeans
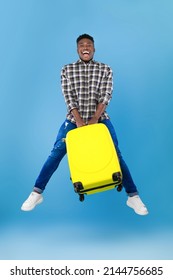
<point>59,151</point>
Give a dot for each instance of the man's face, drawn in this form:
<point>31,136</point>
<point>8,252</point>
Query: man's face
<point>85,49</point>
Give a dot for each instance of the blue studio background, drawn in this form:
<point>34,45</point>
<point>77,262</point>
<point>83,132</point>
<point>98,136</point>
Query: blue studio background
<point>37,39</point>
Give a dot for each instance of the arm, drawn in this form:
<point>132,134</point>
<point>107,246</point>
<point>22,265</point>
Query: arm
<point>70,98</point>
<point>106,88</point>
<point>67,91</point>
<point>100,109</point>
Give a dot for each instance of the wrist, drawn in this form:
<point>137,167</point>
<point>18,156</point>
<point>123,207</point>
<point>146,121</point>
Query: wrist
<point>95,118</point>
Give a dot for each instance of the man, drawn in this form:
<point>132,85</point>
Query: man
<point>87,88</point>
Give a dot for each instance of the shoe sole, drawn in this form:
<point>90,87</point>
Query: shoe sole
<point>31,208</point>
<point>139,213</point>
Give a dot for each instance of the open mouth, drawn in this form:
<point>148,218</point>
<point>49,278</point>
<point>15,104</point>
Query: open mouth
<point>85,52</point>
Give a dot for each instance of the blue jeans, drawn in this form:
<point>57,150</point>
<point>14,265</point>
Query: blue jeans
<point>59,151</point>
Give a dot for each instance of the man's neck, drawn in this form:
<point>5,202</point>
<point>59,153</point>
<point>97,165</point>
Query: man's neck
<point>86,62</point>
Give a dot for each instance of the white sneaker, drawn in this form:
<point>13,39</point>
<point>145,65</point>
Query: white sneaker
<point>136,203</point>
<point>33,199</point>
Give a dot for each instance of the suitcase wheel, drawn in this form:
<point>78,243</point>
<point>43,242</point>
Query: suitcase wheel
<point>81,197</point>
<point>116,177</point>
<point>78,187</point>
<point>119,188</point>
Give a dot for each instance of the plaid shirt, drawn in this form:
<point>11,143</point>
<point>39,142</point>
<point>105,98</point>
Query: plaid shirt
<point>84,86</point>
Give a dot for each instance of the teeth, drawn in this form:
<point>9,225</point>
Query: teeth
<point>85,52</point>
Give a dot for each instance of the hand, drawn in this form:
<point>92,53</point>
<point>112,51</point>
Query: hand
<point>78,119</point>
<point>80,123</point>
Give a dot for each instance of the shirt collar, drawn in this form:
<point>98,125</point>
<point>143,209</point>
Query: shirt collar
<point>85,63</point>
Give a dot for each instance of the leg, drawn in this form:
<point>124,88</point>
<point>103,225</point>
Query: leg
<point>51,164</point>
<point>128,183</point>
<point>133,200</point>
<point>57,153</point>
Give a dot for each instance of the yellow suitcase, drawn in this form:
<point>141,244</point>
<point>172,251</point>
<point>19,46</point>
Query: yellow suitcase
<point>93,161</point>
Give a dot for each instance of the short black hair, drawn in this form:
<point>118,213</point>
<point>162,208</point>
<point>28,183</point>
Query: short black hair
<point>87,36</point>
